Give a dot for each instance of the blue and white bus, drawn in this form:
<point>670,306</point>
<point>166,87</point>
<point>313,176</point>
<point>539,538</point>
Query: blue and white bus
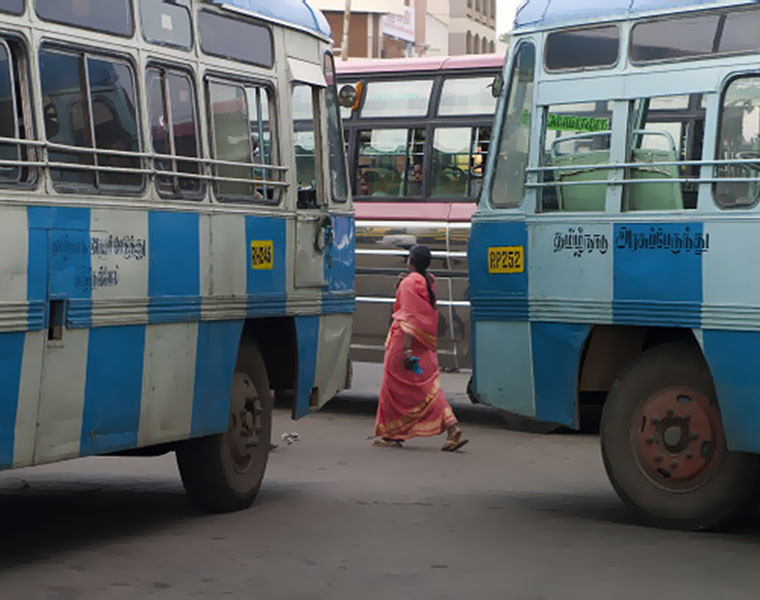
<point>612,253</point>
<point>167,261</point>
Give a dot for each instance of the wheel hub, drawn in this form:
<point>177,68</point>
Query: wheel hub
<point>246,422</point>
<point>678,438</point>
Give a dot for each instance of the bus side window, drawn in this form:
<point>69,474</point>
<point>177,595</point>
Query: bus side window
<point>739,139</point>
<point>514,144</point>
<point>174,131</point>
<point>665,129</point>
<point>241,133</point>
<point>390,163</point>
<point>305,102</point>
<point>11,118</point>
<point>577,142</point>
<point>99,111</point>
<point>459,155</point>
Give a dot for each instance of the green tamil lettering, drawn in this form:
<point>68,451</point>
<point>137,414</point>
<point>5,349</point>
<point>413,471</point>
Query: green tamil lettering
<point>575,123</point>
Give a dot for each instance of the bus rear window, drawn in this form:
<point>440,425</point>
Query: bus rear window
<point>470,96</point>
<point>236,39</point>
<point>110,16</point>
<point>408,98</point>
<point>167,24</point>
<point>591,47</point>
<point>14,7</point>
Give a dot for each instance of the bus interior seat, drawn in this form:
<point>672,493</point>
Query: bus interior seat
<point>654,196</point>
<point>581,198</point>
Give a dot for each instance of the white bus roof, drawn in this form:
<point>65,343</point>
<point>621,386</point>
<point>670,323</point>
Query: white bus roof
<point>296,13</point>
<point>539,14</point>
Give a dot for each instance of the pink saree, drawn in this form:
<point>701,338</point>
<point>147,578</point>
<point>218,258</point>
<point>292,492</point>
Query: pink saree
<point>412,405</point>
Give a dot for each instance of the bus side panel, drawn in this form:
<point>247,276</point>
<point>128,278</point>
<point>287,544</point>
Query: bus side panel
<point>501,331</point>
<point>266,281</point>
<point>11,360</point>
<point>557,349</point>
<point>732,357</point>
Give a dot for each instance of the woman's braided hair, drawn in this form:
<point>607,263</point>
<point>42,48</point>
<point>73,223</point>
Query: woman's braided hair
<point>420,258</point>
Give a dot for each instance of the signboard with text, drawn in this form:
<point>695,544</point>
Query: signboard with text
<point>400,26</point>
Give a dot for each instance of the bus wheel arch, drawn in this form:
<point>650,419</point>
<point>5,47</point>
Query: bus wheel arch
<point>663,445</point>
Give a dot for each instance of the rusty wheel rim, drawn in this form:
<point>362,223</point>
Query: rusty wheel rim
<point>677,435</point>
<point>246,423</point>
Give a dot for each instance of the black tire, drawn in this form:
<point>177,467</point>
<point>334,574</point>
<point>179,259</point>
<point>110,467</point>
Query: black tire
<point>724,485</point>
<point>223,473</point>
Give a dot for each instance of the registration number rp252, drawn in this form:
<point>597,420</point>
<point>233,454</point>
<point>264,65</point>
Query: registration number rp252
<point>506,259</point>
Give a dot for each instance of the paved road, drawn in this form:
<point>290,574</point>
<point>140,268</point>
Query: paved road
<point>517,516</point>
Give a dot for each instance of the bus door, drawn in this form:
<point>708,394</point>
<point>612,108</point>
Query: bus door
<point>324,261</point>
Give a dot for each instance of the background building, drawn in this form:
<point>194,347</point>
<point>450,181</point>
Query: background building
<point>397,28</point>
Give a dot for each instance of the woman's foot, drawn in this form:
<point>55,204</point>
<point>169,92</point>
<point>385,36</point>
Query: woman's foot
<point>387,443</point>
<point>454,441</point>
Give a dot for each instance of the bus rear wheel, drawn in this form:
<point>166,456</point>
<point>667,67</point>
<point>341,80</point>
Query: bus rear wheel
<point>223,473</point>
<point>664,447</point>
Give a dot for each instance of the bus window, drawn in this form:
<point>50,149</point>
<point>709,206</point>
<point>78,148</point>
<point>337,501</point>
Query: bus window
<point>590,47</point>
<point>238,114</point>
<point>174,132</point>
<point>512,159</point>
<point>235,39</point>
<point>8,120</point>
<point>665,130</point>
<point>576,134</point>
<point>337,155</point>
<point>305,102</point>
<point>471,96</point>
<point>390,162</point>
<point>739,139</point>
<point>166,23</point>
<point>410,98</point>
<point>459,155</point>
<point>14,7</point>
<point>110,16</point>
<point>98,111</point>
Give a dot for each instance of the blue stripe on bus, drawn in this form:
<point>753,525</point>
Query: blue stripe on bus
<point>267,282</point>
<point>113,390</point>
<point>216,355</point>
<point>732,358</point>
<point>174,268</point>
<point>658,274</point>
<point>11,359</point>
<point>557,349</point>
<point>307,334</point>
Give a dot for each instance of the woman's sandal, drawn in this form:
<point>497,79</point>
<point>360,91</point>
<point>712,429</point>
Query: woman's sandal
<point>454,443</point>
<point>385,443</point>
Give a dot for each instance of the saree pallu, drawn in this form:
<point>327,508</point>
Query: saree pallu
<point>412,405</point>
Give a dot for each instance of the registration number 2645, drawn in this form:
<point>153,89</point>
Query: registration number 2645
<point>506,259</point>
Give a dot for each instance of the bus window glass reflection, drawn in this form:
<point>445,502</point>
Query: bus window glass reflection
<point>470,96</point>
<point>410,98</point>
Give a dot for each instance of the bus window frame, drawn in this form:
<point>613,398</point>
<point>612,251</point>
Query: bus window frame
<point>608,67</point>
<point>187,71</point>
<point>432,98</point>
<point>329,58</point>
<point>83,52</point>
<point>229,79</point>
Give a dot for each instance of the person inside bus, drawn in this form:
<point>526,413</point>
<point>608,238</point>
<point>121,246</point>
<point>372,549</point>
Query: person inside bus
<point>412,403</point>
<point>415,179</point>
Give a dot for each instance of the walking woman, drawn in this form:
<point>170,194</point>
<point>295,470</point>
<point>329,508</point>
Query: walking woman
<point>412,403</point>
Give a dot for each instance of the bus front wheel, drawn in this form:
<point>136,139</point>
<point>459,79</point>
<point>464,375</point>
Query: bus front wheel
<point>664,447</point>
<point>223,473</point>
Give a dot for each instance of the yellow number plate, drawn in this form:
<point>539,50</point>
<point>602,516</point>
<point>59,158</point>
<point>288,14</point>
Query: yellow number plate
<point>262,255</point>
<point>506,259</point>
